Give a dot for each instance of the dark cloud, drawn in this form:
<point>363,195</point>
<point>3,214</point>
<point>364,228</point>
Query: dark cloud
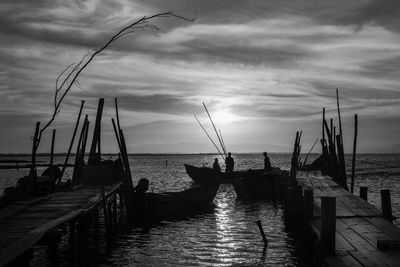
<point>382,12</point>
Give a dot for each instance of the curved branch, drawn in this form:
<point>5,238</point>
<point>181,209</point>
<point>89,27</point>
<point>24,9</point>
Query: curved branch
<point>70,79</point>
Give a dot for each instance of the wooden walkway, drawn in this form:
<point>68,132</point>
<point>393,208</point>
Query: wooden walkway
<point>23,224</point>
<point>359,226</point>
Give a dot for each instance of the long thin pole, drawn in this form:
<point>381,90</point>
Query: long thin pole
<point>353,163</point>
<point>209,137</point>
<point>338,110</point>
<point>72,141</point>
<point>52,147</point>
<point>215,129</point>
<point>222,139</point>
<point>309,152</point>
<point>116,134</point>
<point>117,114</point>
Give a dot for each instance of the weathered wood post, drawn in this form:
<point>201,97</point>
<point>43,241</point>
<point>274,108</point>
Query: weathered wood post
<point>115,210</point>
<point>110,217</point>
<point>105,212</point>
<point>308,204</point>
<point>52,147</point>
<point>72,142</point>
<point>262,233</point>
<point>353,162</point>
<point>328,225</point>
<point>386,205</point>
<point>298,204</point>
<point>94,158</point>
<point>364,192</point>
<point>32,171</point>
<point>52,239</point>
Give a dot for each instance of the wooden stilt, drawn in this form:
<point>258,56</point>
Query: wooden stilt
<point>52,147</point>
<point>105,212</point>
<point>72,141</point>
<point>328,225</point>
<point>94,158</point>
<point>353,162</point>
<point>386,205</point>
<point>364,193</point>
<point>308,204</point>
<point>262,233</point>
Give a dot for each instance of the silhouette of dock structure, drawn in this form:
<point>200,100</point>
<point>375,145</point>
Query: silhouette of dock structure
<point>24,224</point>
<point>337,228</point>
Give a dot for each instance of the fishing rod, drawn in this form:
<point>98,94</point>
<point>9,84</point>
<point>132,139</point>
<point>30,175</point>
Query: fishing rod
<point>216,132</point>
<point>209,137</point>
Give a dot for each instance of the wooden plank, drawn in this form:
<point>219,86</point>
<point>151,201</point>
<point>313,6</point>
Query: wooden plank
<point>346,260</point>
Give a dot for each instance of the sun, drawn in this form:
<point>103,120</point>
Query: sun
<point>223,117</point>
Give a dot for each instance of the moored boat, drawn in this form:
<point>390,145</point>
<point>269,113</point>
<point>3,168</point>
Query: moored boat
<point>258,185</point>
<point>205,175</point>
<point>173,205</point>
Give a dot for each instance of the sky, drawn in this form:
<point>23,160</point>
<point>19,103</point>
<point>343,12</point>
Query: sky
<point>264,68</point>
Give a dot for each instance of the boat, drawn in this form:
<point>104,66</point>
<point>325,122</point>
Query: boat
<point>205,175</point>
<point>257,186</point>
<point>150,207</point>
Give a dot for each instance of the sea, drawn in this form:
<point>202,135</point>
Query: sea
<point>225,235</point>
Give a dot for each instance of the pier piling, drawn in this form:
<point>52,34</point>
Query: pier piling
<point>386,205</point>
<point>364,192</point>
<point>328,225</point>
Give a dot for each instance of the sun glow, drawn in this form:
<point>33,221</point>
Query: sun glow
<point>223,117</point>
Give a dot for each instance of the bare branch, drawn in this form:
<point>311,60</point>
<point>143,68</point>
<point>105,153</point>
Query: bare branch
<point>73,71</point>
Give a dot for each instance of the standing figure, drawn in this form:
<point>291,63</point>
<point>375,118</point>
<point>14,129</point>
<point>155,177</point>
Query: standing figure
<point>216,166</point>
<point>267,162</point>
<point>229,163</point>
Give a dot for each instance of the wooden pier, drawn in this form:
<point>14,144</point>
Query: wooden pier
<point>337,228</point>
<point>24,224</point>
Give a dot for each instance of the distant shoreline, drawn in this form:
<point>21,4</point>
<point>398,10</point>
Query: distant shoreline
<point>162,154</point>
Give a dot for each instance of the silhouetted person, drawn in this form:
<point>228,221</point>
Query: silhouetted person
<point>142,186</point>
<point>229,163</point>
<point>267,162</point>
<point>216,166</point>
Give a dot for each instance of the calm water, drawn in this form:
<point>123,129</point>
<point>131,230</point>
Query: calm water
<point>226,235</point>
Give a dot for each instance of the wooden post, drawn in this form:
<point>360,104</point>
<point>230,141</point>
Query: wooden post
<point>115,210</point>
<point>340,120</point>
<point>386,205</point>
<point>110,217</point>
<point>116,134</point>
<point>72,141</point>
<point>93,158</point>
<point>262,233</point>
<point>328,225</point>
<point>353,162</point>
<point>52,239</point>
<point>78,165</point>
<point>52,147</point>
<point>323,131</point>
<point>117,114</point>
<point>308,204</point>
<point>299,202</point>
<point>105,211</point>
<point>32,171</point>
<point>364,192</point>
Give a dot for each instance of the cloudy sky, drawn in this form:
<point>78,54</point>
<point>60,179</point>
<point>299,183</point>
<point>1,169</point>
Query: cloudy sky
<point>264,68</point>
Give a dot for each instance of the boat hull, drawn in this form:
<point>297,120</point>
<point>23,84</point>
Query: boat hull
<point>150,207</point>
<point>260,186</point>
<point>208,176</point>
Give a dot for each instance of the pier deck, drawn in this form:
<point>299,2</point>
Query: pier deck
<point>23,224</point>
<point>359,226</point>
